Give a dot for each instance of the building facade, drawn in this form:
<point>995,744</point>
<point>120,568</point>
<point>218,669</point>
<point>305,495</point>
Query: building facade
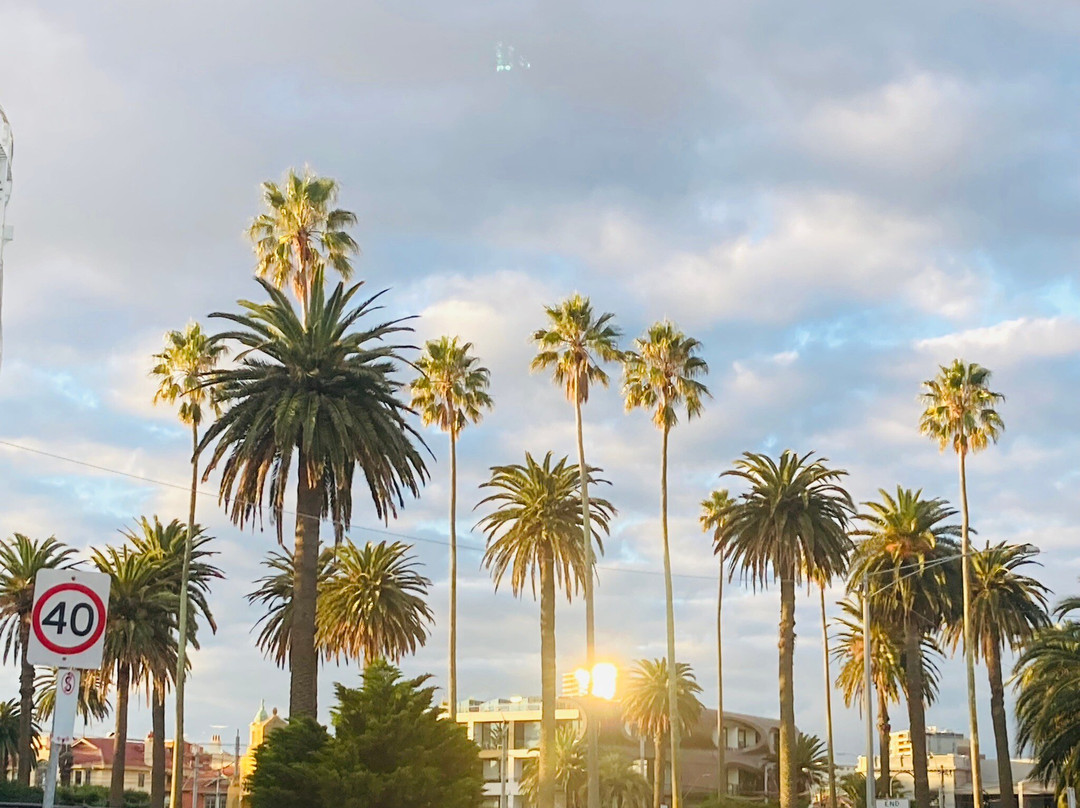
<point>508,734</point>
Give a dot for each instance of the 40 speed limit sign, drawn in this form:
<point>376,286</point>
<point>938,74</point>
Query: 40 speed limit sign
<point>67,622</point>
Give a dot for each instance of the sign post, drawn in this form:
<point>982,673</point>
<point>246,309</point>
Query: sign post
<point>67,631</point>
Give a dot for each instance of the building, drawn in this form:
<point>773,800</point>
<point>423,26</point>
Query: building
<point>508,734</point>
<point>7,153</point>
<point>259,730</point>
<point>948,765</point>
<point>208,768</point>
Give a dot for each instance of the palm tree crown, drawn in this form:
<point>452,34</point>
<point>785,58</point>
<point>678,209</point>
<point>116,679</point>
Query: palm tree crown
<point>181,369</point>
<point>452,388</point>
<point>274,594</point>
<point>301,233</point>
<point>960,408</point>
<point>645,700</point>
<point>323,391</point>
<point>575,344</point>
<point>372,603</point>
<point>662,373</point>
<point>538,514</point>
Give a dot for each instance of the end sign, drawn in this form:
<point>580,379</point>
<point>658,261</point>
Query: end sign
<point>67,623</point>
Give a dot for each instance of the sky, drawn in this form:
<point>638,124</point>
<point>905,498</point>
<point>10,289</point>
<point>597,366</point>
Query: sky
<point>834,198</point>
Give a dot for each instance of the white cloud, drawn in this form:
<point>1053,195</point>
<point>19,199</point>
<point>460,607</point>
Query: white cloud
<point>1007,343</point>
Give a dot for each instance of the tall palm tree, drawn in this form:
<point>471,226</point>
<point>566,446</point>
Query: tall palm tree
<point>1048,703</point>
<point>322,392</point>
<point>886,670</point>
<point>372,604</point>
<point>960,413</point>
<point>301,233</point>
<point>909,556</point>
<point>139,636</point>
<point>180,370</point>
<point>646,705</point>
<point>1007,607</point>
<point>830,747</point>
<point>811,764</point>
<point>451,391</point>
<point>21,558</point>
<point>714,510</point>
<point>661,374</point>
<point>185,566</point>
<point>790,525</point>
<point>274,593</point>
<point>534,533</point>
<point>574,345</point>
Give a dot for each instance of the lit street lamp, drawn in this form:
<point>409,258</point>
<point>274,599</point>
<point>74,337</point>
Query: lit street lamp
<point>595,683</point>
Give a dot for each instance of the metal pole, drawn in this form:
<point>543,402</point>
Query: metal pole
<point>236,761</point>
<point>868,696</point>
<point>503,763</point>
<point>194,779</point>
<point>49,797</point>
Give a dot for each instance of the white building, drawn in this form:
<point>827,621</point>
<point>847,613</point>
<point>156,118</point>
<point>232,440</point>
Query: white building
<point>7,149</point>
<point>948,764</point>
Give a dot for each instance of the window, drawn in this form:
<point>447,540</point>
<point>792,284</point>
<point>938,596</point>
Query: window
<point>78,778</point>
<point>489,734</point>
<point>214,801</point>
<point>142,781</point>
<point>491,770</point>
<point>526,734</point>
<point>742,739</point>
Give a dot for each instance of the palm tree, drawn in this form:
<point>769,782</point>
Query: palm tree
<point>909,555</point>
<point>1048,703</point>
<point>21,558</point>
<point>661,374</point>
<point>138,638</point>
<point>180,370</point>
<point>372,605</point>
<point>811,763</point>
<point>853,789</point>
<point>714,510</point>
<point>451,391</point>
<point>189,574</point>
<point>274,594</point>
<point>574,345</point>
<point>10,727</point>
<point>886,670</point>
<point>646,705</point>
<point>301,233</point>
<point>534,532</point>
<point>622,785</point>
<point>790,525</point>
<point>570,775</point>
<point>1006,607</point>
<point>960,412</point>
<point>324,393</point>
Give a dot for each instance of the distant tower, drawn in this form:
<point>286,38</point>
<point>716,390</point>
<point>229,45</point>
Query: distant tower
<point>7,150</point>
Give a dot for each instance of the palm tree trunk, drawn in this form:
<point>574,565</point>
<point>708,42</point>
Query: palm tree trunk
<point>303,658</point>
<point>969,640</point>
<point>157,769</point>
<point>658,770</point>
<point>175,793</point>
<point>26,705</point>
<point>828,705</point>
<point>1001,729</point>
<point>546,789</point>
<point>451,694</point>
<point>669,602</point>
<point>884,740</point>
<point>916,712</point>
<point>721,740</point>
<point>789,787</point>
<point>116,787</point>
<point>592,739</point>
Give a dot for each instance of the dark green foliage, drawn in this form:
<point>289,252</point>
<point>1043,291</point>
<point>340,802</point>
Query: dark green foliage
<point>89,796</point>
<point>390,750</point>
<point>286,770</point>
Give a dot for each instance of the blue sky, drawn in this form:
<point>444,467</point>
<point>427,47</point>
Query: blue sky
<point>833,198</point>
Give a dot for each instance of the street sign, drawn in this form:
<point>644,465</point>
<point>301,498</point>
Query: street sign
<point>67,622</point>
<point>67,701</point>
<point>893,803</point>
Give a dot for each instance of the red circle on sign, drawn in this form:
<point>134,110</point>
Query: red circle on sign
<point>35,620</point>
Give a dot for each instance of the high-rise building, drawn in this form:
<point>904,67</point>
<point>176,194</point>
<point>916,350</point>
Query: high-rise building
<point>7,149</point>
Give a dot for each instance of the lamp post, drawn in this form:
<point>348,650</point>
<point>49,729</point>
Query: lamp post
<point>597,682</point>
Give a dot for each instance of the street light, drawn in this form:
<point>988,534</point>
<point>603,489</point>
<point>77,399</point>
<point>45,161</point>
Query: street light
<point>595,683</point>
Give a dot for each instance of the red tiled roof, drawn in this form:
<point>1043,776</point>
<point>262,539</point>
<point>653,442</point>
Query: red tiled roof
<point>99,751</point>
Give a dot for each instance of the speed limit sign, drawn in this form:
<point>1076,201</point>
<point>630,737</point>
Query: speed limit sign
<point>67,622</point>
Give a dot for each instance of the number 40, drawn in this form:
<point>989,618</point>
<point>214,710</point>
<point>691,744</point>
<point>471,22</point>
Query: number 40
<point>80,613</point>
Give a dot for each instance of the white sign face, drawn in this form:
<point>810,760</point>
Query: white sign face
<point>67,624</point>
<point>67,702</point>
<point>892,803</point>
